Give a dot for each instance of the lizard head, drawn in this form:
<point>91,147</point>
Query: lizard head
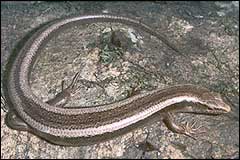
<point>215,103</point>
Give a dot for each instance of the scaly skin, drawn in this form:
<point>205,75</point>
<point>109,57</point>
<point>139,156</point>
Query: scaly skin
<point>86,125</point>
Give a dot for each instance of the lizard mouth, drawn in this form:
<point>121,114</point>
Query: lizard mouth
<point>202,109</point>
<point>212,109</point>
<point>217,111</point>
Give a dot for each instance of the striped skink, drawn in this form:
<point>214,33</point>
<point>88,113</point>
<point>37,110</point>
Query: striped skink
<point>86,125</point>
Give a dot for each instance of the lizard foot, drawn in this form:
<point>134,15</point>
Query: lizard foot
<point>192,129</point>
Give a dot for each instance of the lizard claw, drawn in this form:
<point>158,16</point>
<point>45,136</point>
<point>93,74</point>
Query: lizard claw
<point>71,87</point>
<point>191,129</point>
<point>74,80</point>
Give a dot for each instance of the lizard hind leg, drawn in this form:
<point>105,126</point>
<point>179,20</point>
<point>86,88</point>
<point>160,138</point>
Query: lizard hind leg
<point>13,121</point>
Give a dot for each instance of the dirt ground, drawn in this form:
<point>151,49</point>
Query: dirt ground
<point>205,33</point>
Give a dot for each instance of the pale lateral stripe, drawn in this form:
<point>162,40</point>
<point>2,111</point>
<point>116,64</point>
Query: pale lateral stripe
<point>87,132</point>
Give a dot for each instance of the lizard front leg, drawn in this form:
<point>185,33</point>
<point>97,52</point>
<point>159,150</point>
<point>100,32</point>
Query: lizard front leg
<point>186,129</point>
